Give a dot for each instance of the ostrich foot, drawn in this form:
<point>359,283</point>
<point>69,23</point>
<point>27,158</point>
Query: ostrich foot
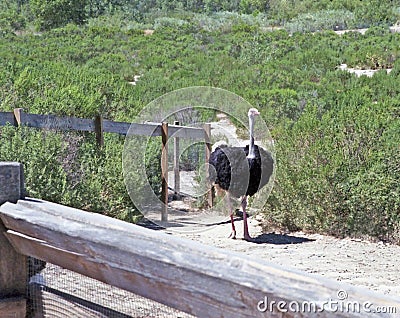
<point>232,235</point>
<point>247,237</point>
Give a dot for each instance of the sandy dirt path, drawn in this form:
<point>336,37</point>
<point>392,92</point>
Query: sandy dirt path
<point>363,263</point>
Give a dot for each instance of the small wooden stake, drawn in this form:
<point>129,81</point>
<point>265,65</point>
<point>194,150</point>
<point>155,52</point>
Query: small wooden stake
<point>177,177</point>
<point>208,147</point>
<point>98,129</point>
<point>164,172</point>
<point>18,116</point>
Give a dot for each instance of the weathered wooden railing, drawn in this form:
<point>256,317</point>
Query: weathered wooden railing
<point>99,126</point>
<point>194,278</point>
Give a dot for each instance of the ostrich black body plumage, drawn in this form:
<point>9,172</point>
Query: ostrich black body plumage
<point>235,172</point>
<point>241,171</point>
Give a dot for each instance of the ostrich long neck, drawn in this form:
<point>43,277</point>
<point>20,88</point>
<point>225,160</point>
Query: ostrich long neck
<point>251,146</point>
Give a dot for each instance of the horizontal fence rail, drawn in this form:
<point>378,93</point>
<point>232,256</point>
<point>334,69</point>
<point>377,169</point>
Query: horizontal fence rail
<point>198,279</point>
<point>53,122</point>
<point>7,118</point>
<point>97,125</point>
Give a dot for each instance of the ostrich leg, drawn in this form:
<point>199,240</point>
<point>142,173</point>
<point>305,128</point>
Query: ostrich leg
<point>246,234</point>
<point>229,205</point>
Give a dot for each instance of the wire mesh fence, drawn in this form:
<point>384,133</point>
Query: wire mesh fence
<point>57,292</point>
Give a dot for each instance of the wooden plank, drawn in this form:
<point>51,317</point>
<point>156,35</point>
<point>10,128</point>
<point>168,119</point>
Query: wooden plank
<point>148,129</point>
<point>186,132</point>
<point>6,118</point>
<point>52,121</point>
<point>198,279</point>
<point>58,123</point>
<point>155,129</point>
<point>13,307</point>
<point>164,173</point>
<point>120,128</point>
<point>81,124</point>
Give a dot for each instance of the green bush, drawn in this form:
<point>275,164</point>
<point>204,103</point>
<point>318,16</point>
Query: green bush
<point>55,13</point>
<point>39,152</point>
<point>166,22</point>
<point>375,12</point>
<point>339,172</point>
<point>11,21</point>
<point>68,168</point>
<point>375,50</point>
<point>49,14</point>
<point>322,20</point>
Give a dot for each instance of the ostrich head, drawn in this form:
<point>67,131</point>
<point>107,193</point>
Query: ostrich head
<point>253,112</point>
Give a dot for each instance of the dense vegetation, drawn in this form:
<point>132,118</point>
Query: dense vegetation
<point>336,135</point>
<point>308,14</point>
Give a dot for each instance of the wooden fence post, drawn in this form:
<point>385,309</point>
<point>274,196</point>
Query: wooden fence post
<point>207,140</point>
<point>18,116</point>
<point>99,131</point>
<point>177,177</point>
<point>13,266</point>
<point>164,172</point>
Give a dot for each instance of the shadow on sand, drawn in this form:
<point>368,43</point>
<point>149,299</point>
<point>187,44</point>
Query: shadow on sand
<point>265,238</point>
<point>279,239</point>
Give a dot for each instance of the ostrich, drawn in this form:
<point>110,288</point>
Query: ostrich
<point>241,171</point>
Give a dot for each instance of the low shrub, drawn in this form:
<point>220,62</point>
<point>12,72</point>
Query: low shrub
<point>321,20</point>
<point>70,169</point>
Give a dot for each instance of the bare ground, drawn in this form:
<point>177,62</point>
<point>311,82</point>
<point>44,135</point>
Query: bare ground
<point>373,265</point>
